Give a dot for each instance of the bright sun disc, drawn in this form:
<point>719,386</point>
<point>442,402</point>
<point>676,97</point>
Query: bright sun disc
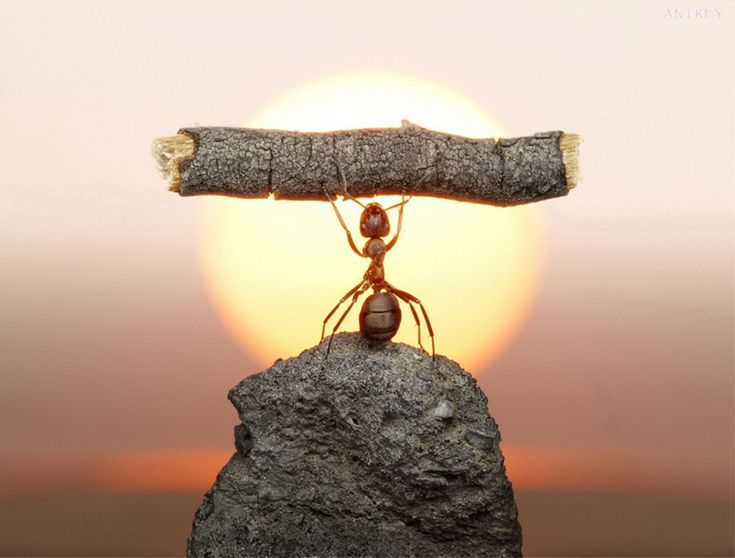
<point>274,269</point>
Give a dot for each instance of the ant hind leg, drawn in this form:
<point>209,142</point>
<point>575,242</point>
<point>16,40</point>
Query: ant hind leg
<point>344,315</point>
<point>415,318</point>
<point>345,297</point>
<point>400,294</point>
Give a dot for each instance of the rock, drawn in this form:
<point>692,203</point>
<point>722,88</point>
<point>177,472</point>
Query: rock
<point>375,452</point>
<point>444,410</point>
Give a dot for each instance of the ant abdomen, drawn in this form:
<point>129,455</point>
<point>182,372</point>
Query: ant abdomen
<point>380,317</point>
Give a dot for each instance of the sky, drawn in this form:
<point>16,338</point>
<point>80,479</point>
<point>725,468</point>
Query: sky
<point>615,396</point>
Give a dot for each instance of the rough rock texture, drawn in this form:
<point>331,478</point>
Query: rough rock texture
<point>254,163</point>
<point>375,452</point>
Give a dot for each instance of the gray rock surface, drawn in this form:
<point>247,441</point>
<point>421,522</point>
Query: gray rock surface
<point>375,452</point>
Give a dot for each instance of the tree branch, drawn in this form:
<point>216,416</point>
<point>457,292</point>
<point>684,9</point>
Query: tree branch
<point>254,163</point>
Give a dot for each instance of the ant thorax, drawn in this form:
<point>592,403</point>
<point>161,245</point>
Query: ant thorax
<point>375,249</point>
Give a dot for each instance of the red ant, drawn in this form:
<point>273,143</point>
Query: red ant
<point>380,315</point>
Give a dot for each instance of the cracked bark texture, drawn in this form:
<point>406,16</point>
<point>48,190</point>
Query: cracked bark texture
<point>255,163</point>
<point>375,452</point>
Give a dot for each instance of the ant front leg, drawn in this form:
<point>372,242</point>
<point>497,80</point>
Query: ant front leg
<point>401,204</point>
<point>344,226</point>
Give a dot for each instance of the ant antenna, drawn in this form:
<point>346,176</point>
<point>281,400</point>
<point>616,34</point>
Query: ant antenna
<point>403,201</point>
<point>344,185</point>
<point>400,203</point>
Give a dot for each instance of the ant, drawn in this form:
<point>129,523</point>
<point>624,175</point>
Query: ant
<point>380,316</point>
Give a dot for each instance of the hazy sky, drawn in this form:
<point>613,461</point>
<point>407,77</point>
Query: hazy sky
<point>621,379</point>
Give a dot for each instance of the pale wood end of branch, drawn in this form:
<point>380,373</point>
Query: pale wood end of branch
<point>168,152</point>
<point>569,145</point>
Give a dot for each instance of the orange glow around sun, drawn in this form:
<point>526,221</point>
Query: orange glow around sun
<point>528,467</point>
<point>274,269</point>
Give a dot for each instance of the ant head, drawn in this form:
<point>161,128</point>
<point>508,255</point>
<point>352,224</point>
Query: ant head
<point>374,221</point>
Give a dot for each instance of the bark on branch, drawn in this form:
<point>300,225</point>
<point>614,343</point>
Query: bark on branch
<point>254,163</point>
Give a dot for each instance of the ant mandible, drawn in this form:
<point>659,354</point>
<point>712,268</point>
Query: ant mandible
<point>380,316</point>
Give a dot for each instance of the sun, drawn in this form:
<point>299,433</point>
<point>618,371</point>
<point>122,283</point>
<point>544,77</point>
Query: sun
<point>274,269</point>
